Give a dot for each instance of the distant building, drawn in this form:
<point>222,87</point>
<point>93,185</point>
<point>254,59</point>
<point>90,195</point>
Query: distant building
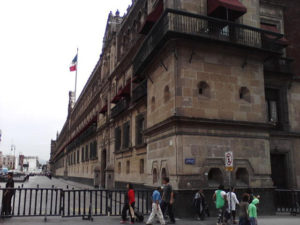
<point>1,159</point>
<point>9,161</point>
<point>30,163</point>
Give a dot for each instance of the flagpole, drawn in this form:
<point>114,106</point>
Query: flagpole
<point>76,78</point>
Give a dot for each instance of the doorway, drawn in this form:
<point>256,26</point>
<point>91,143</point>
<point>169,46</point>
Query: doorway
<point>103,167</point>
<point>279,170</point>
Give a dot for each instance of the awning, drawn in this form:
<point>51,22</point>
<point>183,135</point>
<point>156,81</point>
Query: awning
<point>152,18</point>
<point>219,8</point>
<point>117,97</point>
<point>104,109</point>
<point>273,28</point>
<point>123,92</point>
<point>126,90</point>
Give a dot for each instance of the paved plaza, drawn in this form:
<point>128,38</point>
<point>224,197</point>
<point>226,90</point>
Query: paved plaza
<point>45,182</point>
<point>275,220</point>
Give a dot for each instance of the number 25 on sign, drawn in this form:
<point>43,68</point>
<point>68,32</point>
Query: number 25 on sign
<point>229,161</point>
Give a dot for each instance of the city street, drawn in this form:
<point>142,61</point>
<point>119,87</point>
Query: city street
<point>45,182</point>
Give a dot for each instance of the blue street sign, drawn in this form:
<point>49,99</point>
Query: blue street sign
<point>190,161</point>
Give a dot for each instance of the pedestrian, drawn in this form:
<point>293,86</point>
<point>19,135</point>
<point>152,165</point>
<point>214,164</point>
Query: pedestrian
<point>129,205</point>
<point>220,198</point>
<point>168,199</point>
<point>7,195</point>
<point>243,212</point>
<point>232,202</point>
<point>199,204</point>
<point>252,210</point>
<point>251,195</point>
<point>156,210</point>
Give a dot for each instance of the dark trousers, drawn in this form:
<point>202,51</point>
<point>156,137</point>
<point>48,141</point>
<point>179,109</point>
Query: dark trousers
<point>167,206</point>
<point>244,221</point>
<point>6,204</point>
<point>221,212</point>
<point>124,212</point>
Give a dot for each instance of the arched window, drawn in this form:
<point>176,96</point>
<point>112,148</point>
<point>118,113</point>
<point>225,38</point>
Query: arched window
<point>215,177</point>
<point>203,89</point>
<point>163,173</point>
<point>127,167</point>
<point>166,93</point>
<point>245,94</point>
<point>142,166</point>
<point>242,177</point>
<point>119,167</point>
<point>154,174</point>
<point>153,103</point>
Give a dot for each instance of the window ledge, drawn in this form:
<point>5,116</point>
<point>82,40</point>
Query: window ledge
<point>140,146</point>
<point>123,150</point>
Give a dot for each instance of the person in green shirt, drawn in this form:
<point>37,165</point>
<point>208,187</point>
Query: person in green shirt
<point>220,198</point>
<point>252,211</point>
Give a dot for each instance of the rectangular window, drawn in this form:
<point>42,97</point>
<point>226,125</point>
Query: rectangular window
<point>82,154</point>
<point>273,103</point>
<point>126,135</point>
<point>128,167</point>
<point>142,166</point>
<point>140,124</point>
<point>77,156</point>
<point>117,138</point>
<point>93,150</point>
<point>87,153</point>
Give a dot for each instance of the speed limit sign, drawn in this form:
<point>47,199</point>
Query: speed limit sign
<point>229,161</point>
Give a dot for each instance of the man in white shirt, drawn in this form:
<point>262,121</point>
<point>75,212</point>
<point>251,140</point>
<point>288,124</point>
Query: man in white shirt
<point>232,202</point>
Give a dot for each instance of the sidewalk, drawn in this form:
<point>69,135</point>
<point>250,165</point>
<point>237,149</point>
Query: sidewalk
<point>272,220</point>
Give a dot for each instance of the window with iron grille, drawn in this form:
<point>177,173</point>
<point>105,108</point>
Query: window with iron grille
<point>87,153</point>
<point>77,156</point>
<point>117,138</point>
<point>93,150</point>
<point>140,124</point>
<point>82,154</point>
<point>126,135</point>
<point>96,150</point>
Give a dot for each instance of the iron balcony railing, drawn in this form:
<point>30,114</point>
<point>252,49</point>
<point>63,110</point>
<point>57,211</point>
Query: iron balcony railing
<point>140,91</point>
<point>174,23</point>
<point>120,107</point>
<point>278,65</point>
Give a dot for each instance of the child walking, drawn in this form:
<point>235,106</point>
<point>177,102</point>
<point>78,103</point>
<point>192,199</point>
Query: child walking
<point>252,210</point>
<point>156,210</point>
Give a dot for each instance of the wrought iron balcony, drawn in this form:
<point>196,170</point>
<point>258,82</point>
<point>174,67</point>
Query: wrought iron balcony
<point>278,65</point>
<point>120,107</point>
<point>140,91</point>
<point>174,23</point>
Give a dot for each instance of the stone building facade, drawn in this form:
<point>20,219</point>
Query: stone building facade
<point>178,84</point>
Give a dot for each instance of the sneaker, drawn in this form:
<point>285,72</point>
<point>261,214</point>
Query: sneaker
<point>122,221</point>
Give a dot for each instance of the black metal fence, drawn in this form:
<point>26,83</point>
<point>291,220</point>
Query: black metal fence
<point>48,202</point>
<point>287,201</point>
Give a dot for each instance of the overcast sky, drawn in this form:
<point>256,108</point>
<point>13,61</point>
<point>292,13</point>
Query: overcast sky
<point>38,40</point>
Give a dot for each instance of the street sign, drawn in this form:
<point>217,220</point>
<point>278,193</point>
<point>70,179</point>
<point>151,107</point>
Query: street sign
<point>229,161</point>
<point>190,161</point>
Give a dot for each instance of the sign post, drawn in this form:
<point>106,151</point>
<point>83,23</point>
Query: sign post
<point>229,168</point>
